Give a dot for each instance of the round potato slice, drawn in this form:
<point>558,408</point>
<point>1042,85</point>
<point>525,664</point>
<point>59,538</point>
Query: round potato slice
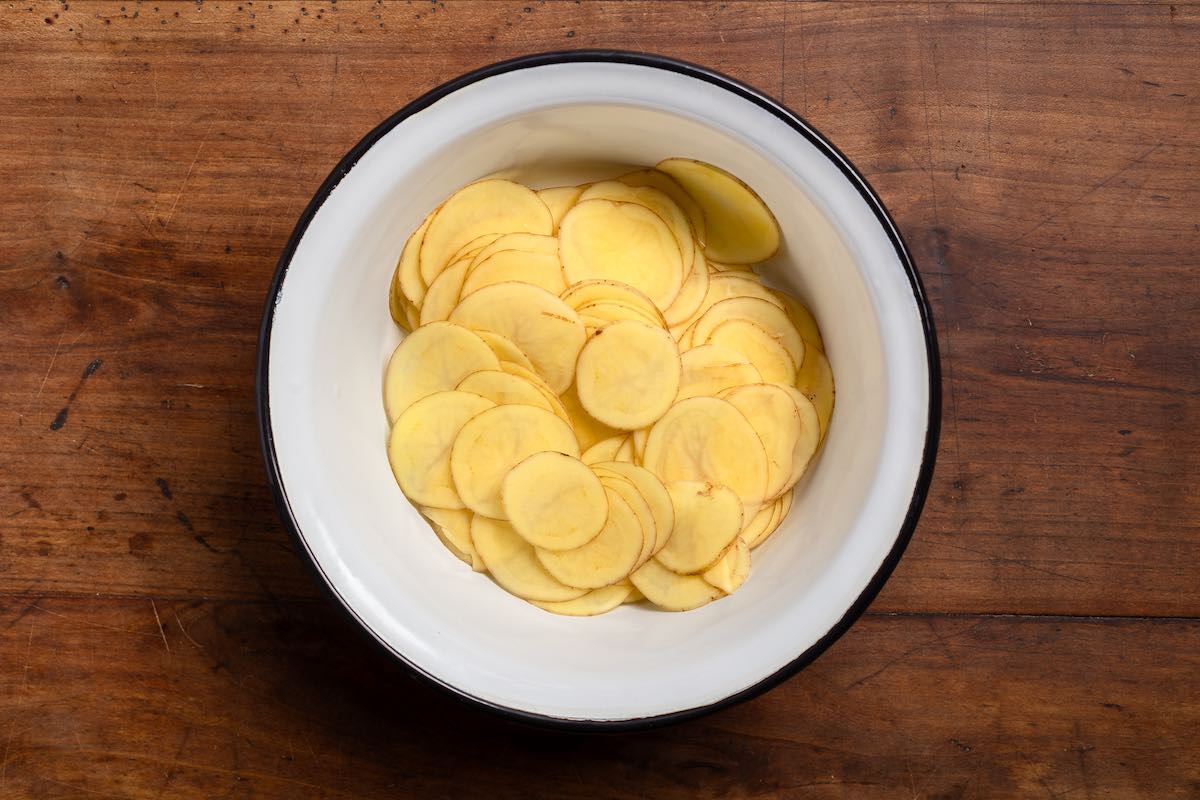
<point>641,509</point>
<point>597,601</point>
<point>453,528</point>
<point>598,291</point>
<point>625,242</point>
<point>587,428</point>
<point>815,381</point>
<point>604,450</point>
<point>655,493</point>
<point>668,186</point>
<point>522,242</point>
<point>495,441</point>
<point>670,591</point>
<point>547,330</point>
<point>604,560</point>
<point>691,294</point>
<point>513,564</point>
<point>433,358</point>
<point>771,318</point>
<point>505,350</point>
<point>754,528</point>
<point>775,417</point>
<point>802,318</point>
<point>779,511</point>
<point>639,444</point>
<point>762,349</point>
<point>628,374</point>
<point>810,436</point>
<point>420,442</point>
<point>536,380</point>
<point>444,292</point>
<point>554,501</point>
<point>727,286</point>
<point>625,452</point>
<point>484,207</point>
<point>710,369</point>
<point>741,229</point>
<point>707,439</point>
<point>732,569</point>
<point>717,266</point>
<point>708,517</point>
<point>658,202</point>
<point>504,388</point>
<point>559,199</point>
<point>615,311</point>
<point>408,270</point>
<point>539,269</point>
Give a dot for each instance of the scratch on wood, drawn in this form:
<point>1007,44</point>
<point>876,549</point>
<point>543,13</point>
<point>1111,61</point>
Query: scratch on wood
<point>161,632</point>
<point>186,178</point>
<point>186,635</point>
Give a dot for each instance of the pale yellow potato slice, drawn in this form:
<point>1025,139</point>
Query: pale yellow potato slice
<point>726,286</point>
<point>604,450</point>
<point>625,452</point>
<point>691,294</point>
<point>707,439</point>
<point>554,501</point>
<point>710,369</point>
<point>545,328</point>
<point>589,429</point>
<point>615,311</point>
<point>717,266</point>
<point>528,374</point>
<point>740,227</point>
<point>708,517</point>
<point>513,564</point>
<point>560,199</point>
<point>655,493</point>
<point>433,358</point>
<point>523,242</point>
<point>815,381</point>
<point>398,307</point>
<point>758,524</point>
<point>732,569</point>
<point>627,375</point>
<point>775,417</point>
<point>453,528</point>
<point>504,388</point>
<point>641,509</point>
<point>444,292</point>
<point>597,601</point>
<point>420,442</point>
<point>771,318</point>
<point>780,509</point>
<point>414,316</point>
<point>505,350</point>
<point>625,242</point>
<point>668,186</point>
<point>763,350</point>
<point>484,207</point>
<point>585,293</point>
<point>494,442</point>
<point>658,202</point>
<point>635,596</point>
<point>810,435</point>
<point>539,269</point>
<point>606,559</point>
<point>672,592</point>
<point>802,318</point>
<point>639,444</point>
<point>408,269</point>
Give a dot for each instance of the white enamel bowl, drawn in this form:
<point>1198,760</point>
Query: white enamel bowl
<point>326,337</point>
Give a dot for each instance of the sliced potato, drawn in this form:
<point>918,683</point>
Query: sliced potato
<point>453,528</point>
<point>710,369</point>
<point>652,489</point>
<point>420,441</point>
<point>635,596</point>
<point>504,388</point>
<point>810,435</point>
<point>815,381</point>
<point>779,509</point>
<point>521,242</point>
<point>504,349</point>
<point>616,311</point>
<point>658,202</point>
<point>763,350</point>
<point>589,429</point>
<point>628,374</point>
<point>802,318</point>
<point>691,295</point>
<point>771,318</point>
<point>775,417</point>
<point>741,229</point>
<point>753,528</point>
<point>606,559</point>
<point>547,330</point>
<point>717,266</point>
<point>670,591</point>
<point>670,187</point>
<point>554,501</point>
<point>625,452</point>
<point>528,374</point>
<point>604,450</point>
<point>726,286</point>
<point>639,444</point>
<point>484,207</point>
<point>585,293</point>
<point>559,199</point>
<point>433,358</point>
<point>495,441</point>
<point>408,270</point>
<point>625,242</point>
<point>444,292</point>
<point>732,569</point>
<point>597,601</point>
<point>708,517</point>
<point>641,509</point>
<point>513,564</point>
<point>539,269</point>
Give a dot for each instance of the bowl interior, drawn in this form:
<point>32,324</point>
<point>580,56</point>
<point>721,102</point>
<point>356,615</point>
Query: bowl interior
<point>331,337</point>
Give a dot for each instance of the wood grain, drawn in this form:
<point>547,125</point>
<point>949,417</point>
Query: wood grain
<point>1040,159</point>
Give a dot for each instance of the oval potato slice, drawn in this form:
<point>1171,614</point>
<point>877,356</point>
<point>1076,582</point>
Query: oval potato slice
<point>504,388</point>
<point>760,348</point>
<point>691,295</point>
<point>668,186</point>
<point>771,318</point>
<point>732,569</point>
<point>597,601</point>
<point>727,287</point>
<point>815,381</point>
<point>658,202</point>
<point>554,501</point>
<point>810,436</point>
<point>513,564</point>
<point>802,318</point>
<point>559,199</point>
<point>504,349</point>
<point>655,493</point>
<point>522,242</point>
<point>775,417</point>
<point>740,227</point>
<point>544,328</point>
<point>628,374</point>
<point>408,269</point>
<point>433,358</point>
<point>616,311</point>
<point>453,528</point>
<point>604,560</point>
<point>710,369</point>
<point>641,509</point>
<point>588,429</point>
<point>781,508</point>
<point>444,292</point>
<point>625,452</point>
<point>708,517</point>
<point>536,380</point>
<point>420,442</point>
<point>604,450</point>
<point>539,269</point>
<point>759,523</point>
<point>495,441</point>
<point>598,291</point>
<point>670,591</point>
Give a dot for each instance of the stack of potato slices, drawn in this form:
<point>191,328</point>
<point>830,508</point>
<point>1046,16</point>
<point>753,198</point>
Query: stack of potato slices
<point>598,399</point>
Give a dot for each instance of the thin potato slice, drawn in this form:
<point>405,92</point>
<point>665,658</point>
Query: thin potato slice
<point>625,242</point>
<point>775,417</point>
<point>453,528</point>
<point>494,442</point>
<point>639,443</point>
<point>671,188</point>
<point>513,564</point>
<point>763,350</point>
<point>728,286</point>
<point>484,207</point>
<point>670,591</point>
<point>536,321</point>
<point>560,199</point>
<point>717,266</point>
<point>641,509</point>
<point>433,358</point>
<point>522,242</point>
<point>710,369</point>
<point>708,517</point>
<point>604,450</point>
<point>658,202</point>
<point>810,436</point>
<point>596,291</point>
<point>420,441</point>
<point>741,229</point>
<point>758,524</point>
<point>504,388</point>
<point>604,560</point>
<point>628,374</point>
<point>707,439</point>
<point>781,507</point>
<point>802,318</point>
<point>625,452</point>
<point>528,374</point>
<point>691,294</point>
<point>408,269</point>
<point>554,501</point>
<point>444,292</point>
<point>589,429</point>
<point>504,349</point>
<point>815,381</point>
<point>773,319</point>
<point>731,570</point>
<point>597,601</point>
<point>654,492</point>
<point>539,269</point>
<point>616,311</point>
<point>635,596</point>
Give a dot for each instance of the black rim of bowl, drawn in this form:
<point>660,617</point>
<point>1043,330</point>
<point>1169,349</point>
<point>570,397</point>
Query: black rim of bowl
<point>920,491</point>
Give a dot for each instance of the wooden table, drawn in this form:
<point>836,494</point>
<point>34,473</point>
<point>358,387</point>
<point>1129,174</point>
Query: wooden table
<point>159,636</point>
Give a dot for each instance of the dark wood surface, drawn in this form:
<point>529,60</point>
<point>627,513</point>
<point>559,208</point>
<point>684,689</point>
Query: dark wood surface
<point>159,637</point>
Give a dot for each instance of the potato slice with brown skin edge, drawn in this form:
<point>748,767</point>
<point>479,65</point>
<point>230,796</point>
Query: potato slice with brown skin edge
<point>484,207</point>
<point>628,374</point>
<point>539,269</point>
<point>710,369</point>
<point>670,187</point>
<point>640,507</point>
<point>433,358</point>
<point>408,269</point>
<point>774,415</point>
<point>554,501</point>
<point>522,242</point>
<point>504,349</point>
<point>708,518</point>
<point>513,564</point>
<point>780,509</point>
<point>654,492</point>
<point>604,450</point>
<point>453,528</point>
<point>625,452</point>
<point>717,266</point>
<point>494,442</point>
<point>528,374</point>
<point>588,429</point>
<point>639,444</point>
<point>420,441</point>
<point>732,569</point>
<point>616,311</point>
<point>595,291</point>
<point>658,202</point>
<point>763,350</point>
<point>727,286</point>
<point>691,294</point>
<point>604,560</point>
<point>802,318</point>
<point>672,592</point>
<point>757,524</point>
<point>771,318</point>
<point>810,436</point>
<point>547,330</point>
<point>740,227</point>
<point>815,381</point>
<point>597,601</point>
<point>504,388</point>
<point>444,292</point>
<point>560,199</point>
